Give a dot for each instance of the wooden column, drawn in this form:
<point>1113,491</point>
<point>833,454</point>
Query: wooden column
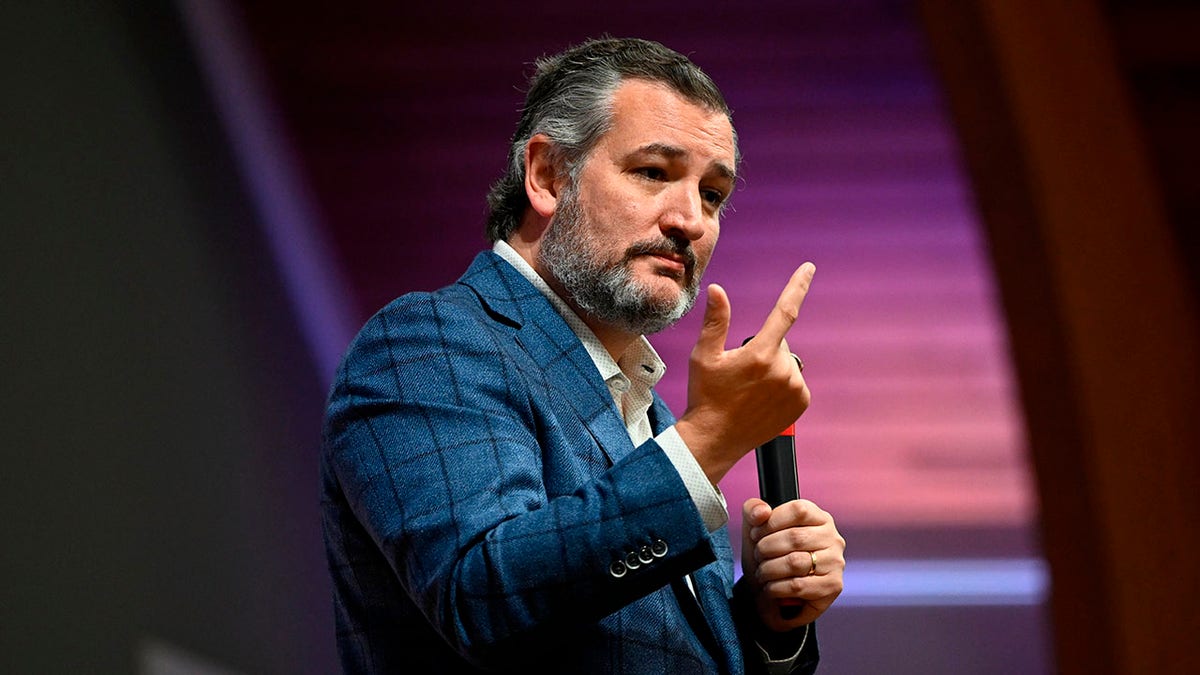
<point>1102,321</point>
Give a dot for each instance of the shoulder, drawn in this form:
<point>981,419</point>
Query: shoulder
<point>426,349</point>
<point>418,326</point>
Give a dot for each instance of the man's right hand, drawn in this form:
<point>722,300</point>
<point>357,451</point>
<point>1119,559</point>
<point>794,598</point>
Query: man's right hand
<point>740,398</point>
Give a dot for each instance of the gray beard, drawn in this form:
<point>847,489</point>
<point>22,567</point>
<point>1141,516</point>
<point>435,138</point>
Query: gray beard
<point>605,289</point>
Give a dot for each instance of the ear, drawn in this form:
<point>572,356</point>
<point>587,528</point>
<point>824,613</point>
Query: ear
<point>541,176</point>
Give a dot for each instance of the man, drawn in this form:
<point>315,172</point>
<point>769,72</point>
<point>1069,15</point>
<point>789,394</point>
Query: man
<point>502,488</point>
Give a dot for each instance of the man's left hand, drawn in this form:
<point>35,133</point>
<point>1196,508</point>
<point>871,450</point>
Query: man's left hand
<point>779,547</point>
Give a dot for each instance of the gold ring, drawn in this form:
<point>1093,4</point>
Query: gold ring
<point>812,569</point>
<point>799,363</point>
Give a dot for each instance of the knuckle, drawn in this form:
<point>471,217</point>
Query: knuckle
<point>789,312</point>
<point>796,538</point>
<point>762,360</point>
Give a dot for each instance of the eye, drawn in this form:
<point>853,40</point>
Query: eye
<point>651,173</point>
<point>713,197</point>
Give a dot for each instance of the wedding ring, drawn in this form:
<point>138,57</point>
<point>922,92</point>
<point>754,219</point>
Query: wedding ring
<point>812,568</point>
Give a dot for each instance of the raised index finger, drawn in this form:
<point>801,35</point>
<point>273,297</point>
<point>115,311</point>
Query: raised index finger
<point>787,307</point>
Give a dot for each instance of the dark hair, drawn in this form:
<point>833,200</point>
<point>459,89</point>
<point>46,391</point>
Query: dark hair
<point>570,101</point>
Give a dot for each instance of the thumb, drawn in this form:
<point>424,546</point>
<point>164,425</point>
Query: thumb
<point>755,512</point>
<point>715,329</point>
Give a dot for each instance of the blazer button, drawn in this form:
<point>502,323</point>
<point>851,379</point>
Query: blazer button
<point>658,548</point>
<point>631,560</point>
<point>645,555</point>
<point>617,569</point>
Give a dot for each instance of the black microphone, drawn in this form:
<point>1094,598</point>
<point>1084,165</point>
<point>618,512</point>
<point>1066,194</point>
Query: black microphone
<point>777,482</point>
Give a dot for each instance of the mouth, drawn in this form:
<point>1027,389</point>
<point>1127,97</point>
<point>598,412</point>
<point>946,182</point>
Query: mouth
<point>677,262</point>
<point>671,265</point>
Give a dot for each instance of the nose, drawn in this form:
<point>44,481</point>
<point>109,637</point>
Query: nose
<point>683,213</point>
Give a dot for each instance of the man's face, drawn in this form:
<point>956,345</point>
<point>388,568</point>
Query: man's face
<point>629,241</point>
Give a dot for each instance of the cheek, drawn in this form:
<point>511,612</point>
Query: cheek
<point>708,242</point>
<point>616,212</point>
<point>704,250</point>
<point>632,213</point>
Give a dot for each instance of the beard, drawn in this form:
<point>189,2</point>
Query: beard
<point>604,287</point>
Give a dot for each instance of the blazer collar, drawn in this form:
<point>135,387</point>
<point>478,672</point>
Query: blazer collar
<point>550,342</point>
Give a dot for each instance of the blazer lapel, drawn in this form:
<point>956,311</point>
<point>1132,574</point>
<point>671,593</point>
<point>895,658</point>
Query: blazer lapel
<point>550,342</point>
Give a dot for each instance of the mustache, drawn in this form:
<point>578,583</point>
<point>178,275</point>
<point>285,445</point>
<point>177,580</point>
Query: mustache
<point>664,245</point>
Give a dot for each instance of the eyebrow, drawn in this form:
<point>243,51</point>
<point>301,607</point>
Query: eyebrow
<point>675,152</point>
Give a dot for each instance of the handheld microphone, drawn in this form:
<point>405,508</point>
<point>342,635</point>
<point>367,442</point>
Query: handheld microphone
<point>777,481</point>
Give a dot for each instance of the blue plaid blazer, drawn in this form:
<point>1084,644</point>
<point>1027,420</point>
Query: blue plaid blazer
<point>484,509</point>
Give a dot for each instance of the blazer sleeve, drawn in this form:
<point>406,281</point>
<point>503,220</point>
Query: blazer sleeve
<point>496,512</point>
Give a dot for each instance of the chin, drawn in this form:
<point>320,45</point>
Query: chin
<point>664,288</point>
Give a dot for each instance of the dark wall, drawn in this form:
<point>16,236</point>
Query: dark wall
<point>1078,199</point>
<point>161,412</point>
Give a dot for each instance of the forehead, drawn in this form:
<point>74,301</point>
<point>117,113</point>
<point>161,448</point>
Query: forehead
<point>647,113</point>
